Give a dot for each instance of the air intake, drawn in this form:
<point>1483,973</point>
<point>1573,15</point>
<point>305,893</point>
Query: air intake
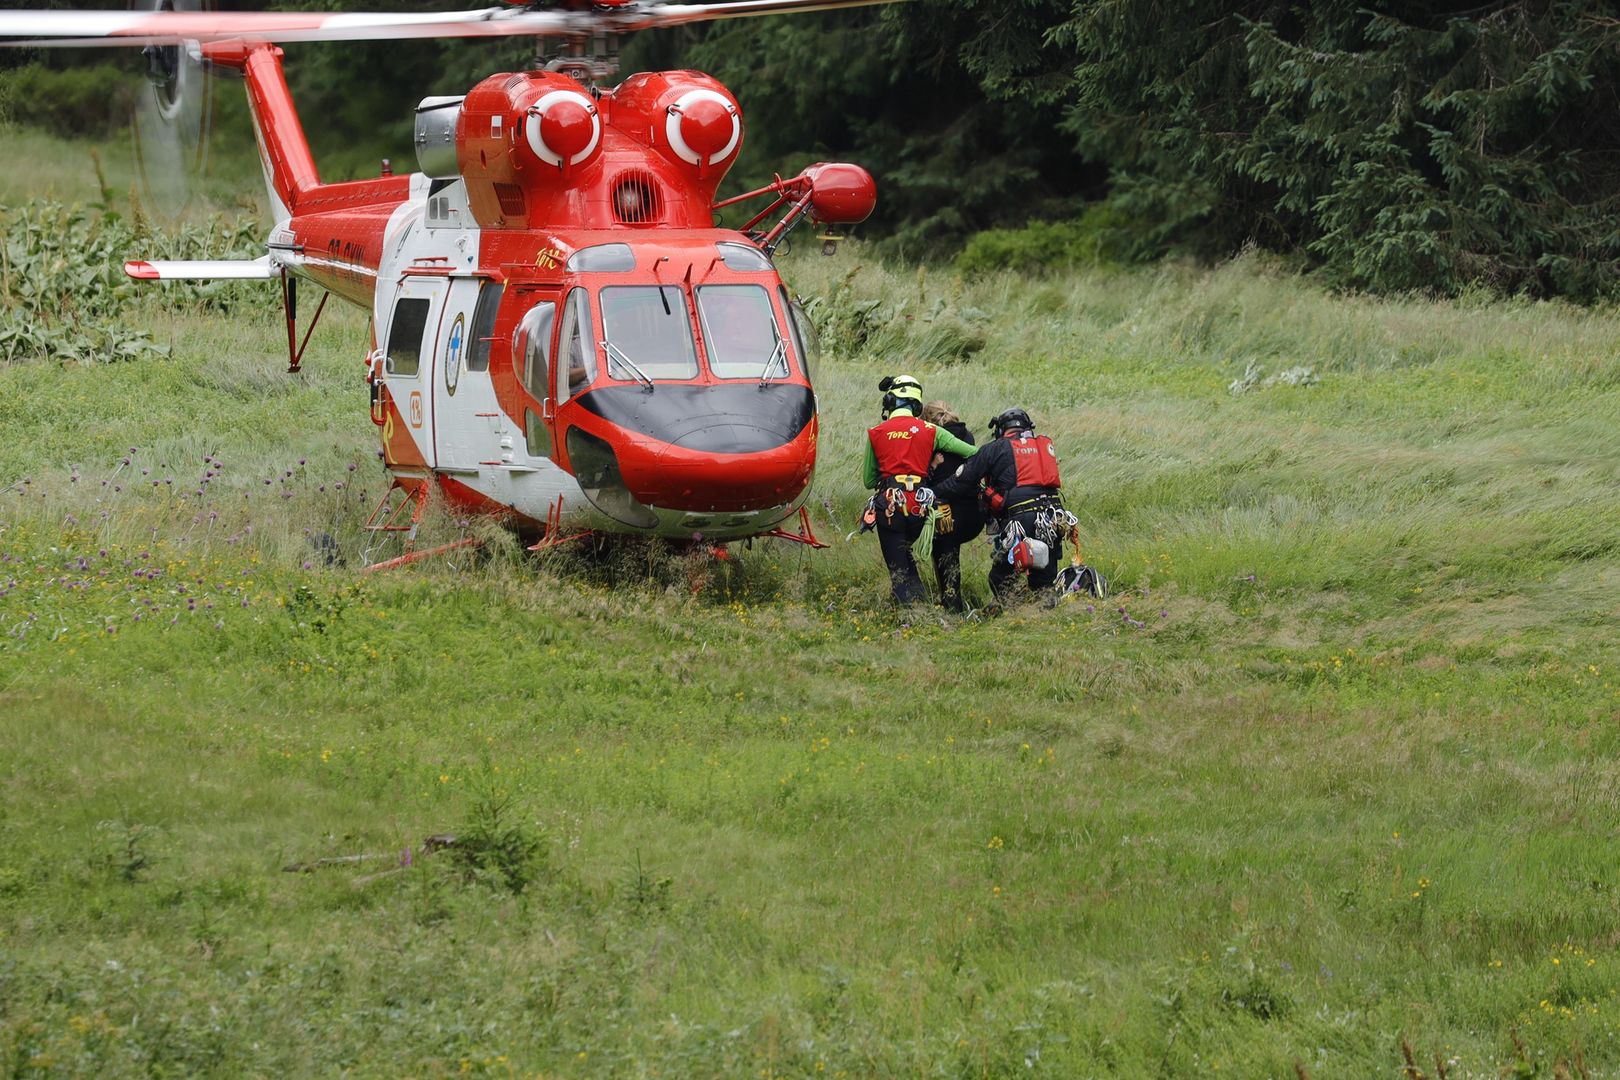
<point>513,204</point>
<point>436,121</point>
<point>637,199</point>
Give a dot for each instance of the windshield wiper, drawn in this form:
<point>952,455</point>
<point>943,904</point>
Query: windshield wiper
<point>778,353</point>
<point>640,376</point>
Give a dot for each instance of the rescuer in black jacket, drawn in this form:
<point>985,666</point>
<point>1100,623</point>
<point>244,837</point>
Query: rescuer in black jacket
<point>960,521</point>
<point>1020,474</point>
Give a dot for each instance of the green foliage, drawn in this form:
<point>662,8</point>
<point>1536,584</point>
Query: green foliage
<point>1403,150</point>
<point>493,848</point>
<point>90,99</point>
<point>1101,235</point>
<point>912,329</point>
<point>124,850</point>
<point>64,292</point>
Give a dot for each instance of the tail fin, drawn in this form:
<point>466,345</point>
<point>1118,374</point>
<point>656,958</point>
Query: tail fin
<point>289,169</point>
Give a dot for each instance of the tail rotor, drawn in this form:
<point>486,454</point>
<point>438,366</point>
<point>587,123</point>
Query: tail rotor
<point>173,116</point>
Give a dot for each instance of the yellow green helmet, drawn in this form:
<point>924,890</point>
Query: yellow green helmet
<point>900,392</point>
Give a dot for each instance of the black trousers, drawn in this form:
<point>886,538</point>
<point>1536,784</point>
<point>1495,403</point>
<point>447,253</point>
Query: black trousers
<point>948,553</point>
<point>896,534</point>
<point>1003,576</point>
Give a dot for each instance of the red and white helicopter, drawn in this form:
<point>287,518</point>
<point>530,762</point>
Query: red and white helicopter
<point>561,335</point>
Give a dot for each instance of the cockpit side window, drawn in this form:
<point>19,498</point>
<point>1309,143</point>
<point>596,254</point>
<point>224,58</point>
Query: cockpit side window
<point>740,332</point>
<point>534,341</point>
<point>647,333</point>
<point>805,342</point>
<point>576,351</point>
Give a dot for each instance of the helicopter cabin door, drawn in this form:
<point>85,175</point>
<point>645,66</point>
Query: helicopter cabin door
<point>467,425</point>
<point>415,331</point>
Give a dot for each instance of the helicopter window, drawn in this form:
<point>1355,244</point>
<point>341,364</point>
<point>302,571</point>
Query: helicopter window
<point>534,335</point>
<point>405,336</point>
<point>739,331</point>
<point>647,333</point>
<point>743,257</point>
<point>805,342</point>
<point>576,360</point>
<point>483,327</point>
<point>603,258</point>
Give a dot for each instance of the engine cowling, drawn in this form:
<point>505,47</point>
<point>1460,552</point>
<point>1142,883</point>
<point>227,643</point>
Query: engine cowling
<point>523,139</point>
<point>689,118</point>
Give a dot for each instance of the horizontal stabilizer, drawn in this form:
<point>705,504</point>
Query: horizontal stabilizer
<point>202,269</point>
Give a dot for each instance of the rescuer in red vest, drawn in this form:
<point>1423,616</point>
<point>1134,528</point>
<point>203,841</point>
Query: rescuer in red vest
<point>1020,473</point>
<point>897,455</point>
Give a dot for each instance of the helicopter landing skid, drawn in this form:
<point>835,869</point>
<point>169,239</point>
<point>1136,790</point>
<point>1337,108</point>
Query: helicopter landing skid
<point>806,535</point>
<point>427,553</point>
<point>554,536</point>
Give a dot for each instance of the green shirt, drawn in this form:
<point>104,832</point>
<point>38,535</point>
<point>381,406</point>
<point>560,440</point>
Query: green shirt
<point>943,440</point>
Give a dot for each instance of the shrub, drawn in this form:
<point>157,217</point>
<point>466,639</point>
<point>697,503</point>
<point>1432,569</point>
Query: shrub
<point>1100,235</point>
<point>93,101</point>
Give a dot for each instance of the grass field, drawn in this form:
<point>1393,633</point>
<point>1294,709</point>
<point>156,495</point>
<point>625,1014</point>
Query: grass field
<point>1334,772</point>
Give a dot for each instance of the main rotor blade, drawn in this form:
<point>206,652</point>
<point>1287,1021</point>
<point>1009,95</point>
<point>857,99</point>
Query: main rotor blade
<point>80,29</point>
<point>680,14</point>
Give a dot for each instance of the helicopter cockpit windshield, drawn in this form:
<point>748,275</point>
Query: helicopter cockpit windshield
<point>647,335</point>
<point>739,331</point>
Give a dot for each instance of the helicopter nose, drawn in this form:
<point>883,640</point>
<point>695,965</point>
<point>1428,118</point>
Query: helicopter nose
<point>690,478</point>
<point>713,448</point>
